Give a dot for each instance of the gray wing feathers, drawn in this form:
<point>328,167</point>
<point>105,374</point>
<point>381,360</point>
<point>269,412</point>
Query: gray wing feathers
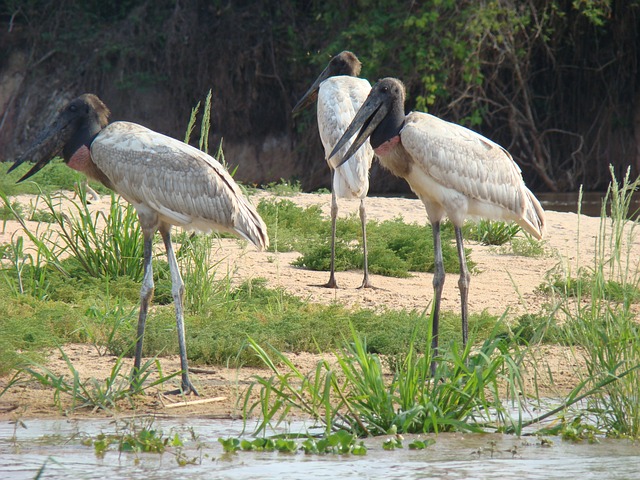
<point>533,216</point>
<point>465,161</point>
<point>185,186</point>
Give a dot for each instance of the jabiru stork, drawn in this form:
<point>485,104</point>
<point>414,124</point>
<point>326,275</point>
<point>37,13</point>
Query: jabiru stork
<point>455,171</point>
<point>167,181</point>
<point>340,93</point>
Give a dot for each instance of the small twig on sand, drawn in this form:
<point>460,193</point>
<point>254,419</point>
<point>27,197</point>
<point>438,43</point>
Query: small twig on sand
<point>195,402</point>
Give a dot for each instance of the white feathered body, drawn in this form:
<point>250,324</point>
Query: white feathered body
<point>339,98</point>
<point>181,185</point>
<point>458,173</point>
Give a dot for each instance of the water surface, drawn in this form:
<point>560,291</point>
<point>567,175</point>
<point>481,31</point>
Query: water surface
<point>58,445</point>
<point>591,204</point>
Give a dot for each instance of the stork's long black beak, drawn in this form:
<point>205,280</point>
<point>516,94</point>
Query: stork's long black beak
<point>312,94</point>
<point>371,113</point>
<point>48,144</point>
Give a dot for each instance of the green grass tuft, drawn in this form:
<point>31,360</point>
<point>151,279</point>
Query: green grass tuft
<point>53,177</point>
<point>357,396</point>
<point>395,248</point>
<point>283,188</point>
<point>597,313</point>
<point>489,232</point>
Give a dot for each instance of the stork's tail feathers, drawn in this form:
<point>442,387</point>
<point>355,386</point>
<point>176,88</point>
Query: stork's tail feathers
<point>250,225</point>
<point>532,219</point>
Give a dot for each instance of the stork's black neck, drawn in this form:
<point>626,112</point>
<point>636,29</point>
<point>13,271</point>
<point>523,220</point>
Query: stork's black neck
<point>390,125</point>
<point>84,135</point>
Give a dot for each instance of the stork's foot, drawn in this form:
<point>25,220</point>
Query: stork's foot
<point>91,195</point>
<point>185,389</point>
<point>330,284</point>
<point>135,387</point>
<point>325,285</point>
<point>366,283</point>
<point>95,198</point>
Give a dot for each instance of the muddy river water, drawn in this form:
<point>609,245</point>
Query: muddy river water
<point>58,449</point>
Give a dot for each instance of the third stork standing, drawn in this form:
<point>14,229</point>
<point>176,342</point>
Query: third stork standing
<point>454,171</point>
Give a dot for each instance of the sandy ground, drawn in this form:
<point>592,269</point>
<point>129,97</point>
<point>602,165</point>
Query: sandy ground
<point>502,283</point>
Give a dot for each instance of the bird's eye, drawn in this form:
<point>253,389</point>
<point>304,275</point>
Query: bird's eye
<point>73,108</point>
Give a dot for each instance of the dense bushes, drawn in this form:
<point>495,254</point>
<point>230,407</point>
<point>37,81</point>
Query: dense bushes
<point>552,81</point>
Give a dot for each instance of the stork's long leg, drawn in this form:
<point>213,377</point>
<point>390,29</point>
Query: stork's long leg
<point>463,285</point>
<point>363,218</point>
<point>177,291</point>
<point>146,292</point>
<point>438,284</point>
<point>334,215</point>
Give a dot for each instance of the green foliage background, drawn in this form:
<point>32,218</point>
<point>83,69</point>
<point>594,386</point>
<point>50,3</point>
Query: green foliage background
<point>553,81</point>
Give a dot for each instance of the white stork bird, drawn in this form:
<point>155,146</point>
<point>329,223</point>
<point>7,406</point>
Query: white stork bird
<point>454,171</point>
<point>340,94</point>
<point>167,181</point>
